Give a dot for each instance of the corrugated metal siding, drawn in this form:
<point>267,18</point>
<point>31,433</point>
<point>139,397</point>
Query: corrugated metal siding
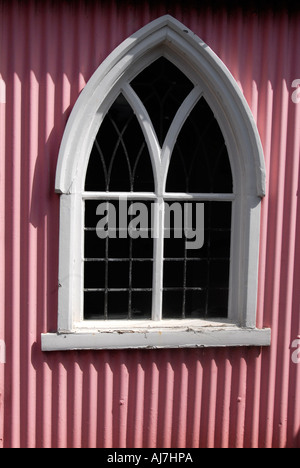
<point>176,398</point>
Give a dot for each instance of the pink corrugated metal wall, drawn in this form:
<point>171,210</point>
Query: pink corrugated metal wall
<point>176,398</point>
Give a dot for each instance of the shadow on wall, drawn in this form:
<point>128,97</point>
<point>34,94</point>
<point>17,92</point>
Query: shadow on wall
<point>44,218</point>
<point>31,264</point>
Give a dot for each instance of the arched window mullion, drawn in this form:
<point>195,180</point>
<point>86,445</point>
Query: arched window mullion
<point>147,128</point>
<point>177,124</point>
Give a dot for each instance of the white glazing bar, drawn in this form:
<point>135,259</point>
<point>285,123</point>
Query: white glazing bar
<point>225,197</point>
<point>174,130</point>
<point>146,126</point>
<point>158,255</point>
<point>119,196</point>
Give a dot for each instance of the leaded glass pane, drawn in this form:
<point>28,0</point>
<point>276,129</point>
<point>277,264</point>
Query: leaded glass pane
<point>162,88</point>
<point>119,159</point>
<point>196,281</point>
<point>200,162</point>
<point>118,269</point>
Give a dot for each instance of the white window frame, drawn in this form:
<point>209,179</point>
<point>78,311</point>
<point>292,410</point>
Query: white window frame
<point>171,39</point>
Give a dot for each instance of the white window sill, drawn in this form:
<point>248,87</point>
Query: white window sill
<point>185,335</point>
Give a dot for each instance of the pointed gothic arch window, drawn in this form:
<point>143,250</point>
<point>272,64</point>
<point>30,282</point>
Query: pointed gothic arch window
<point>161,177</point>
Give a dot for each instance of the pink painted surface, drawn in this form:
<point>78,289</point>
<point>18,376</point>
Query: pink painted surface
<point>176,398</point>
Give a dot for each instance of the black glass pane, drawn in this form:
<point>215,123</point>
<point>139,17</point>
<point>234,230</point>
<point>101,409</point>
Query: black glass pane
<point>195,304</point>
<point>94,274</point>
<point>173,274</point>
<point>119,159</point>
<point>196,280</point>
<point>118,261</point>
<point>200,162</point>
<point>117,305</point>
<point>172,304</point>
<point>162,88</point>
<point>94,305</point>
<point>141,305</point>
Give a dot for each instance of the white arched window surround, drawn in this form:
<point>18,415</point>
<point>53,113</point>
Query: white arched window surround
<point>169,38</point>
